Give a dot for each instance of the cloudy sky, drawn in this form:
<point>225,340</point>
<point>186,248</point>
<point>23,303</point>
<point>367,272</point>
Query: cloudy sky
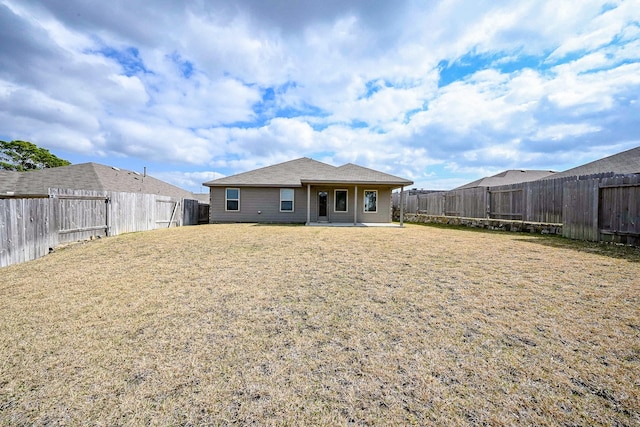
<point>439,92</point>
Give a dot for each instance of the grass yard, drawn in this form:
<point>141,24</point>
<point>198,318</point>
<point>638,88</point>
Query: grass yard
<point>289,325</point>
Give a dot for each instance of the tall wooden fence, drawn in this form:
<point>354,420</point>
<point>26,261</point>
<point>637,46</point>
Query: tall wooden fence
<point>430,204</point>
<point>30,226</point>
<point>469,203</point>
<point>619,209</point>
<point>595,207</point>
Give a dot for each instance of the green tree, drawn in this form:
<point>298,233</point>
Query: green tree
<point>23,156</point>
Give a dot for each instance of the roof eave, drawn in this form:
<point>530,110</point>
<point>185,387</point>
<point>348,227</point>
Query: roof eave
<point>244,185</point>
<point>395,184</point>
<point>355,182</point>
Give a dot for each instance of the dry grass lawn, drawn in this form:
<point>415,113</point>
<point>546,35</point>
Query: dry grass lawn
<point>287,325</point>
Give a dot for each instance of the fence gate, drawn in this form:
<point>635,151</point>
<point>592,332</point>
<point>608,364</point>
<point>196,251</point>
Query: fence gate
<point>167,213</point>
<point>81,216</point>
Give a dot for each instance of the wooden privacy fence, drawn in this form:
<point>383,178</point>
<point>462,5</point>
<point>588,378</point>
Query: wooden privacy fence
<point>595,207</point>
<point>470,203</point>
<point>203,213</point>
<point>30,226</point>
<point>607,209</point>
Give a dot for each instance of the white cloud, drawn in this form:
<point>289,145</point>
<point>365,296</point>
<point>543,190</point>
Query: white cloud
<point>483,100</point>
<point>385,106</point>
<point>196,103</point>
<point>592,91</point>
<point>191,181</point>
<point>157,142</point>
<point>40,107</point>
<point>245,84</point>
<point>235,49</point>
<point>563,131</point>
<point>601,29</point>
<point>127,91</point>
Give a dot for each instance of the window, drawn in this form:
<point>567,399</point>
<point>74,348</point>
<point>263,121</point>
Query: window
<point>370,200</point>
<point>286,200</point>
<point>232,199</point>
<point>340,201</point>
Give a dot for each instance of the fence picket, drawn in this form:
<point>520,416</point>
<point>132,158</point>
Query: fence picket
<point>29,226</point>
<point>601,206</point>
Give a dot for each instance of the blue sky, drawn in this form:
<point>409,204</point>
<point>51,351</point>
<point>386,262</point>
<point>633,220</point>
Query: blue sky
<point>439,92</point>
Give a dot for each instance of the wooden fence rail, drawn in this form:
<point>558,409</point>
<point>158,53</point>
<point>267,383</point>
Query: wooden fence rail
<point>30,226</point>
<point>595,207</point>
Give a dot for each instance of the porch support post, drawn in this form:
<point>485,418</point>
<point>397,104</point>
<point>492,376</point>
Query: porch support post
<point>308,204</point>
<point>355,207</point>
<point>402,206</point>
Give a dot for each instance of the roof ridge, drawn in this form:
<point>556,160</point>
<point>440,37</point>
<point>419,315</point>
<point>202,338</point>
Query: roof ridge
<point>304,161</point>
<point>370,170</point>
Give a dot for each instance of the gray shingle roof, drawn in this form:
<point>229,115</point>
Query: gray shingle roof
<point>8,180</point>
<point>285,174</point>
<point>513,176</point>
<point>295,173</point>
<point>622,163</point>
<point>87,176</point>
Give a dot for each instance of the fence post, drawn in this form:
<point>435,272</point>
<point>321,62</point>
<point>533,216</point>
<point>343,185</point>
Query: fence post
<point>401,207</point>
<point>487,196</point>
<point>107,206</point>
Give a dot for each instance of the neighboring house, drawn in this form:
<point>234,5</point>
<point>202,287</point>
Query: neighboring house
<point>87,176</point>
<point>509,177</point>
<point>626,162</point>
<point>304,191</point>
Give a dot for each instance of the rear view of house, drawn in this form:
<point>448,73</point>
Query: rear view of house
<point>304,191</point>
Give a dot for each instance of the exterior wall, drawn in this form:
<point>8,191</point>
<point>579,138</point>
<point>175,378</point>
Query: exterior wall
<point>332,215</point>
<point>258,199</point>
<point>267,201</point>
<point>383,213</point>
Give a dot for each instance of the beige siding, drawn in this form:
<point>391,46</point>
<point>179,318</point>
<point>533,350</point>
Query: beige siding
<point>267,202</point>
<point>383,213</point>
<point>258,205</point>
<point>332,215</point>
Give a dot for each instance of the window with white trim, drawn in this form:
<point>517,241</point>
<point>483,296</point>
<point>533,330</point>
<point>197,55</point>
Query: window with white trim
<point>371,200</point>
<point>340,201</point>
<point>232,199</point>
<point>286,199</point>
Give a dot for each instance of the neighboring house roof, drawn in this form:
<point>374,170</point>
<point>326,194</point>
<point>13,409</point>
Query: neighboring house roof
<point>625,162</point>
<point>202,197</point>
<point>87,176</point>
<point>8,180</point>
<point>513,176</point>
<point>298,172</point>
